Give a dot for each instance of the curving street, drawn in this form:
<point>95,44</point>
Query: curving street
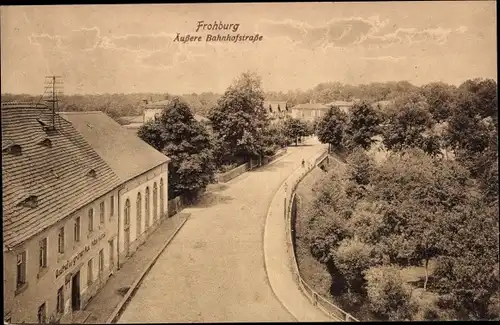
<point>213,270</point>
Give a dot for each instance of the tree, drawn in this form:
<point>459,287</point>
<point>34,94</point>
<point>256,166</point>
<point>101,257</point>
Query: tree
<point>416,192</point>
<point>361,167</point>
<point>352,258</point>
<point>239,118</point>
<point>467,274</point>
<point>406,125</point>
<point>388,294</point>
<point>440,98</point>
<point>187,143</point>
<point>294,129</point>
<point>483,96</point>
<point>331,128</point>
<point>363,125</point>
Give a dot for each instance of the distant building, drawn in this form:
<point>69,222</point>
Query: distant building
<point>344,106</point>
<point>79,194</point>
<point>309,112</point>
<point>276,110</point>
<point>152,111</point>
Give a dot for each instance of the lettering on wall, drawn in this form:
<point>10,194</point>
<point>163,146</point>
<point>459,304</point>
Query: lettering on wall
<point>71,262</point>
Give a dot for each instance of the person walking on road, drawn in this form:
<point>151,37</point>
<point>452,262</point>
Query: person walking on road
<point>303,162</point>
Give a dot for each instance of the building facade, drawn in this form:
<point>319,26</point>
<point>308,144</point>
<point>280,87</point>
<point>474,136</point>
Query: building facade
<point>143,195</point>
<point>276,110</point>
<point>342,105</point>
<point>59,214</point>
<point>309,112</point>
<point>77,192</point>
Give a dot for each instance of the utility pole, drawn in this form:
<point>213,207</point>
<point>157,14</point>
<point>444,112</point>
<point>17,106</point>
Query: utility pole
<point>53,88</point>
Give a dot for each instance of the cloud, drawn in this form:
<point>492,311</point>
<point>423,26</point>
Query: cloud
<point>163,59</point>
<point>349,32</point>
<point>337,32</point>
<point>84,39</point>
<point>383,58</point>
<point>139,43</point>
<point>45,40</point>
<point>410,36</point>
<point>461,29</point>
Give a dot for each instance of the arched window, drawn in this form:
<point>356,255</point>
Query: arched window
<point>146,209</point>
<point>162,196</point>
<point>139,211</point>
<point>155,201</point>
<point>127,212</point>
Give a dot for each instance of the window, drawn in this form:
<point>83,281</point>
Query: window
<point>21,269</point>
<point>60,241</point>
<point>111,206</point>
<point>60,300</point>
<point>139,211</point>
<point>146,209</point>
<point>155,201</point>
<point>101,261</point>
<point>101,212</point>
<point>43,253</point>
<point>127,212</point>
<point>91,220</point>
<point>111,253</point>
<point>162,197</point>
<point>42,314</point>
<point>77,229</point>
<point>90,276</point>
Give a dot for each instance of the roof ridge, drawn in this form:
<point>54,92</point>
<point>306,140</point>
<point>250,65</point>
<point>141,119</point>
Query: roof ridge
<point>82,112</point>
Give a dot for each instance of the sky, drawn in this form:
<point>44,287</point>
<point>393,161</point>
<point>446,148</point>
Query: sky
<point>132,48</point>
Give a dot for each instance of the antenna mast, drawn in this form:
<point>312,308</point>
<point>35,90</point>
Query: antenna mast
<point>53,86</point>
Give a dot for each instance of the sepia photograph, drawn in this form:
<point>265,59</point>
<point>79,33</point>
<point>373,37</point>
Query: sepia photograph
<point>250,162</point>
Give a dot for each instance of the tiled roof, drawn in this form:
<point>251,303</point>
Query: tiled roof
<point>157,104</point>
<point>54,174</point>
<point>126,154</point>
<point>311,106</point>
<point>341,103</point>
<point>124,120</point>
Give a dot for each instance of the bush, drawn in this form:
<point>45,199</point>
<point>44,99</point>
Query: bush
<point>352,257</point>
<point>388,294</point>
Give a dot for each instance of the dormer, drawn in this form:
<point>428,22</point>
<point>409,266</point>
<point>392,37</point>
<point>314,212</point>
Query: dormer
<point>30,202</point>
<point>11,148</point>
<point>92,173</point>
<point>46,143</point>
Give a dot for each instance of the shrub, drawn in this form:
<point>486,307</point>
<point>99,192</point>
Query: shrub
<point>388,294</point>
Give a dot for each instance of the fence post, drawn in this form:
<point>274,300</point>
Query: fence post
<point>285,208</point>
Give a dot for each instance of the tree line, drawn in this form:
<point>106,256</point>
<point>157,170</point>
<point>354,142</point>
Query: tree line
<point>434,198</point>
<point>119,105</point>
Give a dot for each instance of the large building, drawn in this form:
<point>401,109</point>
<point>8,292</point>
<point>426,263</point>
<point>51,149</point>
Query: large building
<point>142,170</point>
<point>344,106</point>
<point>309,112</point>
<point>79,194</point>
<point>276,110</point>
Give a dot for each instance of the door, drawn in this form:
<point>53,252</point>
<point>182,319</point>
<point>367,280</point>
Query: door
<point>127,240</point>
<point>111,253</point>
<point>75,291</point>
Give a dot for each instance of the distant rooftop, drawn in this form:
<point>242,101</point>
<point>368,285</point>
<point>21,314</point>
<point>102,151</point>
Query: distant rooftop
<point>15,104</point>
